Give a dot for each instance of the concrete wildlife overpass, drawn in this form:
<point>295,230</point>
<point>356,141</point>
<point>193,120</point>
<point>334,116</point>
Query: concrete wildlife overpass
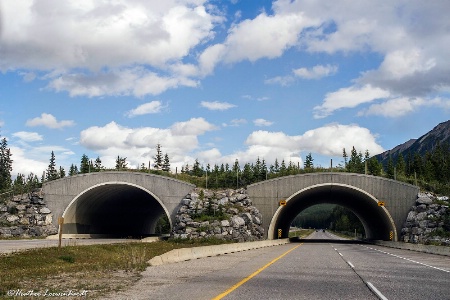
<point>362,194</point>
<point>118,204</point>
<point>130,204</point>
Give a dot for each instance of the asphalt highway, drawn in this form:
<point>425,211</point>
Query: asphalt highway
<point>328,270</point>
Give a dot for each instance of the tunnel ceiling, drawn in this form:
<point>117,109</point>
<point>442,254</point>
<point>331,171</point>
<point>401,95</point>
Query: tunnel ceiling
<point>375,219</point>
<point>113,209</point>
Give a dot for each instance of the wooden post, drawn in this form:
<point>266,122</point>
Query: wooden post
<point>60,223</point>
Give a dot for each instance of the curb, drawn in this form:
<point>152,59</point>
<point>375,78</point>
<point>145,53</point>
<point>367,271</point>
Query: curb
<point>439,250</point>
<point>184,254</point>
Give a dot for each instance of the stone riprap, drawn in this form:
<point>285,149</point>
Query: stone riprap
<point>428,222</point>
<point>26,215</point>
<point>224,214</point>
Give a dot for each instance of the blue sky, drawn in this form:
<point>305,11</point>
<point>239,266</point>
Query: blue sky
<point>218,80</point>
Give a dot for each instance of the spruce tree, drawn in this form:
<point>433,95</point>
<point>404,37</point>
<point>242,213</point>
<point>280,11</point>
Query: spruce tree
<point>85,164</point>
<point>158,158</point>
<point>308,164</point>
<point>121,163</point>
<point>166,163</point>
<point>52,172</point>
<point>5,165</point>
<point>98,164</point>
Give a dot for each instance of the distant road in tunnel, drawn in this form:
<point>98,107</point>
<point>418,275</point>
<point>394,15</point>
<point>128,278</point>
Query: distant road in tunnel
<point>300,271</point>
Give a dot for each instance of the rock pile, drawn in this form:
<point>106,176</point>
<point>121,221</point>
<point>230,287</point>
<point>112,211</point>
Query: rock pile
<point>224,214</point>
<point>428,222</point>
<point>26,216</point>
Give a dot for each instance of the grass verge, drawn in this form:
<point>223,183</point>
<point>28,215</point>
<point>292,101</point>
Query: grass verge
<point>95,268</point>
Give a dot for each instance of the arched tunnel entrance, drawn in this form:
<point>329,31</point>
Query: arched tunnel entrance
<point>377,222</point>
<point>113,210</point>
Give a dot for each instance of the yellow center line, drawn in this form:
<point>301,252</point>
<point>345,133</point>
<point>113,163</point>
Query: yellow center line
<point>252,275</point>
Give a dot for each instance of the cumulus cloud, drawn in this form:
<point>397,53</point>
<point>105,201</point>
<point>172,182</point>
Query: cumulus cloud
<point>27,136</point>
<point>146,108</point>
<point>216,105</point>
<point>398,107</point>
<point>315,72</point>
<point>235,123</point>
<point>262,122</point>
<point>326,140</point>
<point>348,98</point>
<point>49,121</point>
<point>121,35</point>
<point>138,144</point>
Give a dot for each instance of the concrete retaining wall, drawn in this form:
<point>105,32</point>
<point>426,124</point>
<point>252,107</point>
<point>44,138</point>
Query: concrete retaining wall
<point>440,250</point>
<point>183,254</point>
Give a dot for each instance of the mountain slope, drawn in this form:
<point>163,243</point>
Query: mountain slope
<point>427,142</point>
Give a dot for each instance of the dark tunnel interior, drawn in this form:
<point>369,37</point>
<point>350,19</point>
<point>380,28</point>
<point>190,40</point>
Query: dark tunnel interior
<point>113,210</point>
<point>377,223</point>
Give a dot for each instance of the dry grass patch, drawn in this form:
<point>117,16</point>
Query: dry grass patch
<point>95,268</point>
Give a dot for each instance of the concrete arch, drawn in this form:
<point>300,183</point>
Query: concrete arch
<point>114,209</point>
<point>144,196</point>
<point>377,221</point>
<point>397,196</point>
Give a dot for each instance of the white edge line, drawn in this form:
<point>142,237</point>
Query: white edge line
<point>376,291</point>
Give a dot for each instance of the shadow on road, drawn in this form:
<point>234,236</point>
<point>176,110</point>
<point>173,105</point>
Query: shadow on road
<point>333,241</point>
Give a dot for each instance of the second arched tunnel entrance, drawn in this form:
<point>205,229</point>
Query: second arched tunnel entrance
<point>376,220</point>
<point>113,210</point>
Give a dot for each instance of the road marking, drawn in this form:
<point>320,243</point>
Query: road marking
<point>252,275</point>
<point>376,291</point>
<point>408,259</point>
<point>351,265</point>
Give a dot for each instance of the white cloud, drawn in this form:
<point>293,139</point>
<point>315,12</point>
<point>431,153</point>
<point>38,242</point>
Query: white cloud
<point>281,80</point>
<point>235,123</point>
<point>195,126</point>
<point>398,107</point>
<point>262,122</point>
<point>216,105</point>
<point>138,144</point>
<point>348,98</point>
<point>135,81</point>
<point>23,164</point>
<point>146,108</point>
<point>315,72</point>
<point>49,121</point>
<point>28,136</point>
<point>121,35</point>
<point>326,140</point>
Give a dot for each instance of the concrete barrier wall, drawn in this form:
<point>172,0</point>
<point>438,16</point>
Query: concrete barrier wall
<point>184,254</point>
<point>440,250</point>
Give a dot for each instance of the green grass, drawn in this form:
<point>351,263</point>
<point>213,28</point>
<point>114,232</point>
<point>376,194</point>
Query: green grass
<point>82,266</point>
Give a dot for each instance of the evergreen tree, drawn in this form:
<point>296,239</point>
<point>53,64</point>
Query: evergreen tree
<point>166,163</point>
<point>62,172</point>
<point>283,169</point>
<point>32,182</point>
<point>390,169</point>
<point>374,167</point>
<point>85,164</point>
<point>121,163</point>
<point>345,156</point>
<point>19,184</point>
<point>308,164</point>
<point>98,164</point>
<point>197,170</point>
<point>73,170</point>
<point>5,165</point>
<point>52,172</point>
<point>158,158</point>
<point>355,163</point>
<point>400,166</point>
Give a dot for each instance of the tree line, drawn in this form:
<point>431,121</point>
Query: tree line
<point>431,170</point>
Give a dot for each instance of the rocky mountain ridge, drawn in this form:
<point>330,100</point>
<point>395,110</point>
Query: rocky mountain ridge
<point>427,142</point>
